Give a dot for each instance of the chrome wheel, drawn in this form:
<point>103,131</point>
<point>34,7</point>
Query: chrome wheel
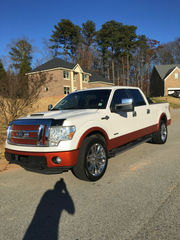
<point>96,159</point>
<point>163,132</point>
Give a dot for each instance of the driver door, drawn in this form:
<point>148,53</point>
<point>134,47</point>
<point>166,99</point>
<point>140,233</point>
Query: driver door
<point>123,124</point>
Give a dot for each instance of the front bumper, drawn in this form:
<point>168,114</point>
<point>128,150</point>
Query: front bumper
<point>41,161</point>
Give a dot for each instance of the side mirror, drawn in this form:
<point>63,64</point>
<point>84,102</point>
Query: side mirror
<point>126,105</point>
<point>50,106</point>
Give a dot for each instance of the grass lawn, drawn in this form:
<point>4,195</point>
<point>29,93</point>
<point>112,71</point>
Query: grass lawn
<point>39,106</point>
<point>174,102</point>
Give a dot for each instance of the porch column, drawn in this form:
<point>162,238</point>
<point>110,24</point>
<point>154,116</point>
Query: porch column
<point>80,78</point>
<point>72,82</point>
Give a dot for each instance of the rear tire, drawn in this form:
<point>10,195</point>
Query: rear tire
<point>160,137</point>
<point>92,160</point>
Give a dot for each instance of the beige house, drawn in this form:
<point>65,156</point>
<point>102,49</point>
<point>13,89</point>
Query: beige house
<point>68,77</point>
<point>165,79</point>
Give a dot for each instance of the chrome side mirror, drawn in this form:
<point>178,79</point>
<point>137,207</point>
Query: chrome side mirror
<point>125,106</point>
<point>50,106</point>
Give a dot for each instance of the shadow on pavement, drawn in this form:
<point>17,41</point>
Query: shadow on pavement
<point>45,223</point>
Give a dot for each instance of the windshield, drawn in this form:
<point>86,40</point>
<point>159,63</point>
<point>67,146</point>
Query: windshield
<point>92,99</point>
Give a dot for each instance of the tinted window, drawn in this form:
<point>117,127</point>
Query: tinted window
<point>136,96</point>
<point>118,96</point>
<point>92,99</point>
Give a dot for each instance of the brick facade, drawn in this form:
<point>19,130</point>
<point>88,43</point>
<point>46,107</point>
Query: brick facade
<point>172,81</point>
<point>65,80</point>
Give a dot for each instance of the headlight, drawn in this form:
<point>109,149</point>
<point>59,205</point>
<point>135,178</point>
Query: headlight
<point>58,134</point>
<point>9,132</point>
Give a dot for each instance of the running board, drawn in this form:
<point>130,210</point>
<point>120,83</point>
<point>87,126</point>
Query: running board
<point>128,146</point>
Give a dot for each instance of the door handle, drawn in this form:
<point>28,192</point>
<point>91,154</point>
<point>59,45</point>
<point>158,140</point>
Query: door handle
<point>105,118</point>
<point>148,111</point>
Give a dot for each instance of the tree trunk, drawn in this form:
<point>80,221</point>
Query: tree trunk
<point>113,77</point>
<point>65,52</point>
<point>123,68</point>
<point>127,72</point>
<point>108,72</point>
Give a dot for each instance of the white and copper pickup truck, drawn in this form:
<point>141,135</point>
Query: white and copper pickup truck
<point>82,130</point>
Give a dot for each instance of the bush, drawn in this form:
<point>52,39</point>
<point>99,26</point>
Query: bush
<point>18,93</point>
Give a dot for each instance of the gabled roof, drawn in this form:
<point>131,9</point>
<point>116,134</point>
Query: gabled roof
<point>165,70</point>
<point>59,63</point>
<point>54,63</point>
<point>97,77</point>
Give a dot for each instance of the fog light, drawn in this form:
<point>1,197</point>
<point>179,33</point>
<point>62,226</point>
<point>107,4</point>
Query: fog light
<point>56,160</point>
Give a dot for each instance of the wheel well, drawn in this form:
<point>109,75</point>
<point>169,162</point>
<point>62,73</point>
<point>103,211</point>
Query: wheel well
<point>98,134</point>
<point>164,118</point>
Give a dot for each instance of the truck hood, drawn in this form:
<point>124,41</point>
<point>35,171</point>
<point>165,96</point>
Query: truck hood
<point>62,114</point>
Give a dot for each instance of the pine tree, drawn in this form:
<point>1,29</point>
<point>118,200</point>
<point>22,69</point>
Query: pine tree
<point>66,37</point>
<point>2,70</point>
<point>88,33</point>
<point>21,56</point>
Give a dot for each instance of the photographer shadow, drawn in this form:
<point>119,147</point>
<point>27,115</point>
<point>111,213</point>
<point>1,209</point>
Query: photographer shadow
<point>45,223</point>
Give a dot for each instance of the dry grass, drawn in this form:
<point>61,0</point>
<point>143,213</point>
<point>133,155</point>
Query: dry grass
<point>174,102</point>
<point>40,106</point>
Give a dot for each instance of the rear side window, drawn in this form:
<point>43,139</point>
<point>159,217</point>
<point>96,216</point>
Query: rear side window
<point>136,96</point>
<point>118,96</point>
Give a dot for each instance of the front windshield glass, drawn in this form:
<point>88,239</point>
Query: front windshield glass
<point>92,99</point>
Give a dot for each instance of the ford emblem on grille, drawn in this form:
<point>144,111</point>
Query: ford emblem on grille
<point>20,134</point>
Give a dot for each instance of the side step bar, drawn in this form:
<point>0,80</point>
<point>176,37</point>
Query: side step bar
<point>128,146</point>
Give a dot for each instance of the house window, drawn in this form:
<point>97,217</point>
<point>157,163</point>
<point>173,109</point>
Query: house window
<point>46,89</point>
<point>176,75</point>
<point>66,90</point>
<point>84,77</point>
<point>66,74</point>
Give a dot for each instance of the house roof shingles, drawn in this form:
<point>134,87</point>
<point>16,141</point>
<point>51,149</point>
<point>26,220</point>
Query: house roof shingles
<point>54,63</point>
<point>97,77</point>
<point>165,70</point>
<point>59,63</point>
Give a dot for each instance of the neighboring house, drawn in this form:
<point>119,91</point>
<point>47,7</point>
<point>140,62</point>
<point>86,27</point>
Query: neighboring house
<point>68,77</point>
<point>165,79</point>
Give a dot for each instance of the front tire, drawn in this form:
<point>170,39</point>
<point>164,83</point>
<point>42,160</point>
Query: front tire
<point>92,160</point>
<point>160,137</point>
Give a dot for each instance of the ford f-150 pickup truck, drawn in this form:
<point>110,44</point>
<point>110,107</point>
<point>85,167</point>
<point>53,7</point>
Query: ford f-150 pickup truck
<point>80,131</point>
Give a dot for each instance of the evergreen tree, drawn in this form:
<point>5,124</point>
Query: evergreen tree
<point>21,56</point>
<point>86,48</point>
<point>2,70</point>
<point>88,33</point>
<point>66,37</point>
<point>127,47</point>
<point>25,66</point>
<point>109,39</point>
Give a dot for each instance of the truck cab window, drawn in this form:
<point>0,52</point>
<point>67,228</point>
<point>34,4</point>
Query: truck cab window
<point>118,96</point>
<point>137,97</point>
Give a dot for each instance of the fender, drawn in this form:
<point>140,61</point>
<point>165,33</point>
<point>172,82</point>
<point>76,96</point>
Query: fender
<point>163,115</point>
<point>91,130</point>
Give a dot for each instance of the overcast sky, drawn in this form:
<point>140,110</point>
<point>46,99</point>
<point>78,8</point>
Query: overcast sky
<point>35,19</point>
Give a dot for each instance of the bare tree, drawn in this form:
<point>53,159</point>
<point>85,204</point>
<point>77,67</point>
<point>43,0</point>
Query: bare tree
<point>18,93</point>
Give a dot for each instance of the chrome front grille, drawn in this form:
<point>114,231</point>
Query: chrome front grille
<point>29,132</point>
